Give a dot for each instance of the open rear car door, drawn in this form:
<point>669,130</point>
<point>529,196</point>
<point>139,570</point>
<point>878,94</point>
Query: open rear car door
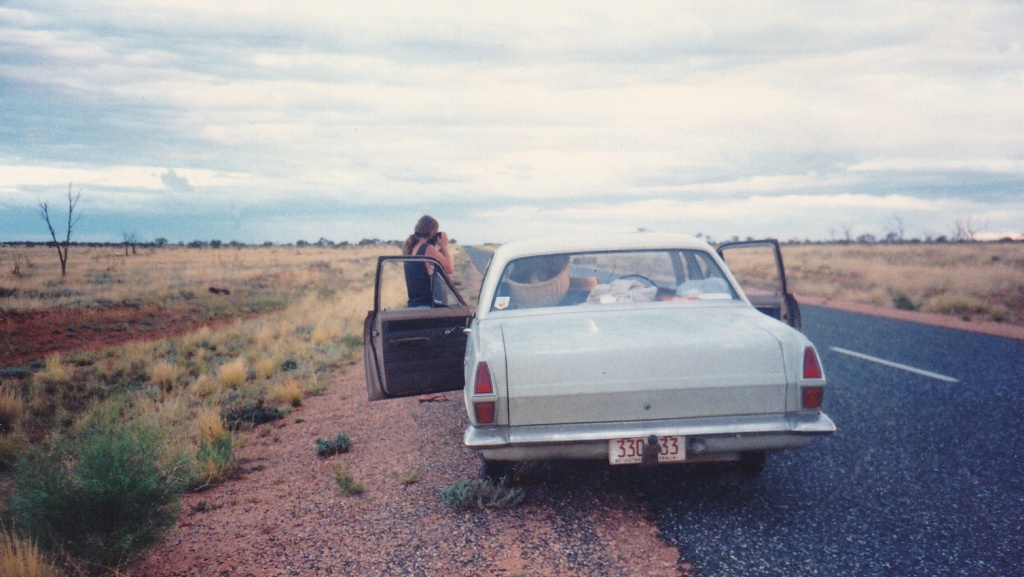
<point>411,351</point>
<point>757,265</point>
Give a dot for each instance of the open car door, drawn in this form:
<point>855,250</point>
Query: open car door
<point>412,351</point>
<point>757,265</point>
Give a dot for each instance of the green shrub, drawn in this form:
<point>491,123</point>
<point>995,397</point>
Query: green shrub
<point>328,447</point>
<point>251,415</point>
<point>101,496</point>
<point>477,493</point>
<point>214,462</point>
<point>903,303</point>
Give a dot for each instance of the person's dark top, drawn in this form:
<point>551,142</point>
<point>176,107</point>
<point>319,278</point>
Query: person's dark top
<point>417,282</point>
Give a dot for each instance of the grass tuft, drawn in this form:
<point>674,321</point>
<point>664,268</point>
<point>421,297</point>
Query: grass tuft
<point>289,392</point>
<point>164,374</point>
<point>233,374</point>
<point>21,557</point>
<point>215,459</point>
<point>55,372</point>
<point>347,483</point>
<point>266,367</point>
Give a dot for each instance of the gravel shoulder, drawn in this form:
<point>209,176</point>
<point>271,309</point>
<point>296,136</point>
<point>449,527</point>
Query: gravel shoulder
<point>283,515</point>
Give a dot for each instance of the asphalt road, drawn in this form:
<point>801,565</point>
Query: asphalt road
<point>924,476</point>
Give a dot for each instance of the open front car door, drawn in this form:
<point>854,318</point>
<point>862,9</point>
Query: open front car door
<point>411,351</point>
<point>757,265</point>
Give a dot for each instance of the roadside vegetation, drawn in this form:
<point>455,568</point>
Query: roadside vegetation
<point>98,445</point>
<point>971,281</point>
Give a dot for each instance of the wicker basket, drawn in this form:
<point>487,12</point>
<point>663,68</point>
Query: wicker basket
<point>545,293</point>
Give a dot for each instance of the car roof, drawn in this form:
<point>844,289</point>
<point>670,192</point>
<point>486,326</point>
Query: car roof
<point>597,242</point>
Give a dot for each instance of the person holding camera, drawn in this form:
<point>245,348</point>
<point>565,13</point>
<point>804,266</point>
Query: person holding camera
<point>426,240</point>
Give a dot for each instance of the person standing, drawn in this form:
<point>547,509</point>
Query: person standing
<point>426,240</point>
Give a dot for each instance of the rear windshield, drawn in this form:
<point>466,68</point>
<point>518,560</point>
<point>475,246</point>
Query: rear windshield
<point>599,278</point>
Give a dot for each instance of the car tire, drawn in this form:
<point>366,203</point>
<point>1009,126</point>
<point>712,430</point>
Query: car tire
<point>752,463</point>
<point>496,471</point>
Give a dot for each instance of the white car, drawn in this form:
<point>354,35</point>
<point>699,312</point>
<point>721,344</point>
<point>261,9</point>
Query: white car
<point>636,349</point>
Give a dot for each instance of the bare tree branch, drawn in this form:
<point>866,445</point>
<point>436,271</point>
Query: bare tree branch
<point>62,246</point>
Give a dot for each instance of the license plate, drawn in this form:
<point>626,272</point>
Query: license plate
<point>629,451</point>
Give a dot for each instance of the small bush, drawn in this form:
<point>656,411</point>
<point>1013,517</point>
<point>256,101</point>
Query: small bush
<point>328,447</point>
<point>999,313</point>
<point>352,341</point>
<point>102,496</point>
<point>903,303</point>
<point>251,415</point>
<point>22,558</point>
<point>477,493</point>
<point>347,484</point>
<point>234,373</point>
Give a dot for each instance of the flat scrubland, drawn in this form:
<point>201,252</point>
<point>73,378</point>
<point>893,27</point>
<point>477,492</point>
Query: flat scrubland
<point>106,437</point>
<point>969,281</point>
<point>126,384</point>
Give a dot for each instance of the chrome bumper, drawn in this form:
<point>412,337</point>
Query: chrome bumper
<point>713,438</point>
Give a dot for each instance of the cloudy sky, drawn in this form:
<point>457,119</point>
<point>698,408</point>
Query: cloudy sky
<point>279,121</point>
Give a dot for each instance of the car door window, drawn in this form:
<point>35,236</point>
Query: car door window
<point>393,290</point>
<point>757,267</point>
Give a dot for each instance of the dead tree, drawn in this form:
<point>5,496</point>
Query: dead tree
<point>62,246</point>
<point>130,239</point>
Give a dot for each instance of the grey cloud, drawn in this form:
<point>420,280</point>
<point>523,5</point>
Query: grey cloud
<point>174,182</point>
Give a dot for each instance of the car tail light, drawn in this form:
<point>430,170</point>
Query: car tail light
<point>812,368</point>
<point>483,384</point>
<point>484,413</point>
<point>811,397</point>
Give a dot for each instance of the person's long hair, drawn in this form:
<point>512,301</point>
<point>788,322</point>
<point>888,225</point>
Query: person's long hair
<point>426,227</point>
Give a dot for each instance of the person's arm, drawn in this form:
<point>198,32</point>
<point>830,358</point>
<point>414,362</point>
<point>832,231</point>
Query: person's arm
<point>441,253</point>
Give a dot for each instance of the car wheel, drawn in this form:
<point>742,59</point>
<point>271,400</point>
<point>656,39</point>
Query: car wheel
<point>496,471</point>
<point>752,463</point>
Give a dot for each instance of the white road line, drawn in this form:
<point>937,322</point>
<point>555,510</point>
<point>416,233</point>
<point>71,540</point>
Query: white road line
<point>907,368</point>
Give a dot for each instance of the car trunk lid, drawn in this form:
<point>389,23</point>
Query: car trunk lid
<point>603,365</point>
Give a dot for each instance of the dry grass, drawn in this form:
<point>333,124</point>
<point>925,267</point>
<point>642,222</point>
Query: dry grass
<point>56,372</point>
<point>288,393</point>
<point>233,373</point>
<point>22,558</point>
<point>11,406</point>
<point>974,280</point>
<point>164,374</point>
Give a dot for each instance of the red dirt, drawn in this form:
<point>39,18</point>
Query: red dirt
<point>30,335</point>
